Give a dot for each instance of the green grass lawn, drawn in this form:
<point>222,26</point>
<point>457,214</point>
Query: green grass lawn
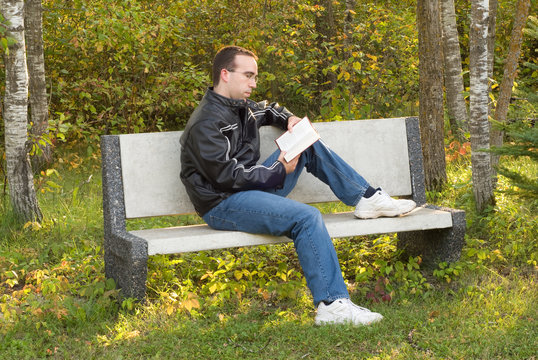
<point>253,303</point>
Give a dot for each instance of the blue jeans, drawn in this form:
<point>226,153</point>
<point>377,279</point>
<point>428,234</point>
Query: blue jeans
<point>270,212</point>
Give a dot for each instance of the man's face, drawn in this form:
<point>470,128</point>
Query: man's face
<point>241,80</point>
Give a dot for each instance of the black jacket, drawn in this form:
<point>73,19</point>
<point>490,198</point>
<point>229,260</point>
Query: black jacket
<point>220,148</point>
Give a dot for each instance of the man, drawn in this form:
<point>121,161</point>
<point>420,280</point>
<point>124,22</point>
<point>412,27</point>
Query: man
<point>232,191</point>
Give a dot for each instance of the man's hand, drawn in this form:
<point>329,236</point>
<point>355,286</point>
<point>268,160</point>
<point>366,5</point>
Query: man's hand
<point>289,166</point>
<point>292,120</point>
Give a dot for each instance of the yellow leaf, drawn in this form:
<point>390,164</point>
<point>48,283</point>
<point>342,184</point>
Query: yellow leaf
<point>204,276</point>
<point>132,334</point>
<point>191,302</point>
<point>169,310</point>
<point>213,288</point>
<point>187,305</point>
<point>238,274</point>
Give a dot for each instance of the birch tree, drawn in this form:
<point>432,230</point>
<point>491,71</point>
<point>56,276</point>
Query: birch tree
<point>492,26</point>
<point>456,106</point>
<point>492,29</point>
<point>510,72</point>
<point>431,115</point>
<point>39,110</point>
<point>478,122</point>
<point>15,114</point>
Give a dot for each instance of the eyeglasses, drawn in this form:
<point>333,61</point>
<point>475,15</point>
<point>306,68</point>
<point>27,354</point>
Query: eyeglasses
<point>249,75</point>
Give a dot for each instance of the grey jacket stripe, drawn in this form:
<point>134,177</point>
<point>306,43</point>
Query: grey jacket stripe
<point>228,146</point>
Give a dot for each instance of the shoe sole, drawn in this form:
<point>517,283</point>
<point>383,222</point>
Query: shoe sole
<point>346,322</point>
<point>375,215</point>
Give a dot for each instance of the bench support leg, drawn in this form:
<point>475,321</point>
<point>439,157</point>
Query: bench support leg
<point>126,256</point>
<point>436,245</point>
<point>129,268</point>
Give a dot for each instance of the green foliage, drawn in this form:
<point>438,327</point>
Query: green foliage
<point>503,28</point>
<point>335,77</point>
<point>506,235</point>
<point>118,67</point>
<point>448,272</point>
<point>130,66</point>
<point>253,302</point>
<point>55,300</point>
<point>524,101</point>
<point>524,143</point>
<point>5,41</point>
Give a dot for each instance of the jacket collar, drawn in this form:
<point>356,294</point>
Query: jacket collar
<point>212,96</point>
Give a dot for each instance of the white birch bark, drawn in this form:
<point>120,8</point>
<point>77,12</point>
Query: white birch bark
<point>457,108</point>
<point>492,29</point>
<point>39,109</point>
<point>15,114</point>
<point>478,122</point>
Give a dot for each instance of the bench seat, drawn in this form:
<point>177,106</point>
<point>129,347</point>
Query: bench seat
<point>182,239</point>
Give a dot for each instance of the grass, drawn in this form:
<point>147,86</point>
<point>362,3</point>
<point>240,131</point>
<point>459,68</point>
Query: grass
<point>252,303</point>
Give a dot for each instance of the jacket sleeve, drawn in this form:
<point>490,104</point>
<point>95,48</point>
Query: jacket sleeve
<point>270,114</point>
<point>211,149</point>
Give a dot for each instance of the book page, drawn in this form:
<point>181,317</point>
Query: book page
<point>297,141</point>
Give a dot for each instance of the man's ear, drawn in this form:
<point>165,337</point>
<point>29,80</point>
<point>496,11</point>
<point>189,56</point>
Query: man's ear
<point>224,75</point>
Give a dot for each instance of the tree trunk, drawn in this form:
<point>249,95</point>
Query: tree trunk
<point>431,93</point>
<point>479,124</point>
<point>492,26</point>
<point>15,114</point>
<point>39,110</point>
<point>510,72</point>
<point>457,109</point>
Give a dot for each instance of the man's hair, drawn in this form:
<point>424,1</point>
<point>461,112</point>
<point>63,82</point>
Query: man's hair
<point>225,60</point>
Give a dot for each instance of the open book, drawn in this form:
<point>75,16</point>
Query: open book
<point>297,141</point>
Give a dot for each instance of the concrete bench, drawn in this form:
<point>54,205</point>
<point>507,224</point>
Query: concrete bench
<point>141,179</point>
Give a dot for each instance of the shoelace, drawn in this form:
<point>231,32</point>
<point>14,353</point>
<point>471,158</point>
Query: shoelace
<point>349,302</point>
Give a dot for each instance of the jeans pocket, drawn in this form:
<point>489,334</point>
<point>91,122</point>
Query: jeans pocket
<point>218,223</point>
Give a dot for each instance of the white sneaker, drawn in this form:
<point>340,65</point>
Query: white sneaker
<point>381,204</point>
<point>343,311</point>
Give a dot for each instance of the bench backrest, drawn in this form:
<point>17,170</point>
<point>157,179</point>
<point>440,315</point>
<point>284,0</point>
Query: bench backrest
<point>377,149</point>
